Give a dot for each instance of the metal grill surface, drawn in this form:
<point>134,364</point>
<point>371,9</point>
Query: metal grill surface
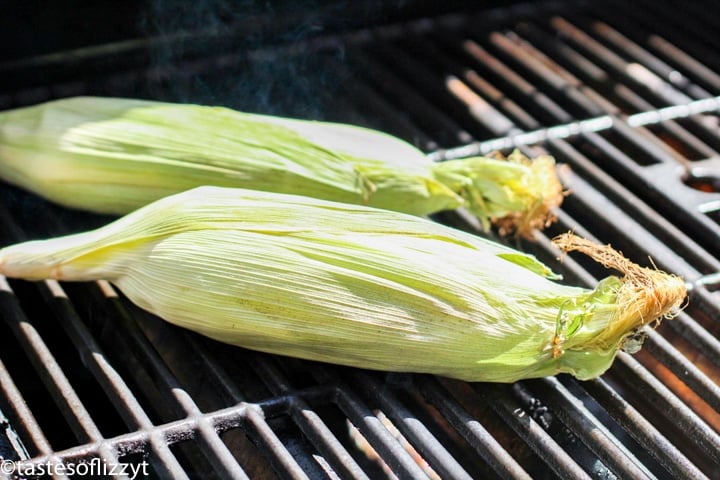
<point>626,94</point>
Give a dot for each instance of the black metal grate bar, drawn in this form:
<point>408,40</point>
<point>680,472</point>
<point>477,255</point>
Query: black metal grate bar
<point>383,442</point>
<point>474,432</point>
<point>643,431</point>
<point>673,20</point>
<point>706,343</point>
<point>659,67</point>
<point>211,444</point>
<point>683,368</point>
<point>531,432</point>
<point>55,380</point>
<point>32,430</point>
<point>312,425</point>
<point>590,430</point>
<point>637,75</point>
<point>663,399</point>
<point>118,392</point>
<point>632,110</point>
<point>684,61</point>
<point>430,448</point>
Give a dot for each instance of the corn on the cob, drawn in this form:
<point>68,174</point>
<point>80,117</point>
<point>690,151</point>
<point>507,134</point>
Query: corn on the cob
<point>355,285</point>
<point>113,155</point>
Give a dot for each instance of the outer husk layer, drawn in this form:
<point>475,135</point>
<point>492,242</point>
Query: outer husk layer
<point>352,285</point>
<point>113,155</point>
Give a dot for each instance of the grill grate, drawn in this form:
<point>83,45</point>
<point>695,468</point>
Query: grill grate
<point>626,95</point>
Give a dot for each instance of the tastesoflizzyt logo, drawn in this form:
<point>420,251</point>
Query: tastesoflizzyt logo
<point>95,467</point>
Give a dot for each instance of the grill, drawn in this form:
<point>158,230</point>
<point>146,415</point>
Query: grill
<point>624,93</point>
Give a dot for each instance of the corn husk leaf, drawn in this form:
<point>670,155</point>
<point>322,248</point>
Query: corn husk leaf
<point>113,155</point>
<point>356,286</point>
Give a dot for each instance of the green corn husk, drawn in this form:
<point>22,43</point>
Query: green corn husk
<point>113,155</point>
<point>356,286</point>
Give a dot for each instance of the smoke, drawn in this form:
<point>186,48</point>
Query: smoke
<point>249,55</point>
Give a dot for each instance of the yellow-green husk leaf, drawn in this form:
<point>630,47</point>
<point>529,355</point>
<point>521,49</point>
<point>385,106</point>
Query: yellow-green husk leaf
<point>355,285</point>
<point>113,155</point>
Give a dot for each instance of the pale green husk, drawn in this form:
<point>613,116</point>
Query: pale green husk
<point>113,155</point>
<point>351,285</point>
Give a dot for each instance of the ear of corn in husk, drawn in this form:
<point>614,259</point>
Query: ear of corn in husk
<point>113,155</point>
<point>356,286</point>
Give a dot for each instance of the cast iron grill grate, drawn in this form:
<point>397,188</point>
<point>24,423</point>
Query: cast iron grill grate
<point>626,95</point>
